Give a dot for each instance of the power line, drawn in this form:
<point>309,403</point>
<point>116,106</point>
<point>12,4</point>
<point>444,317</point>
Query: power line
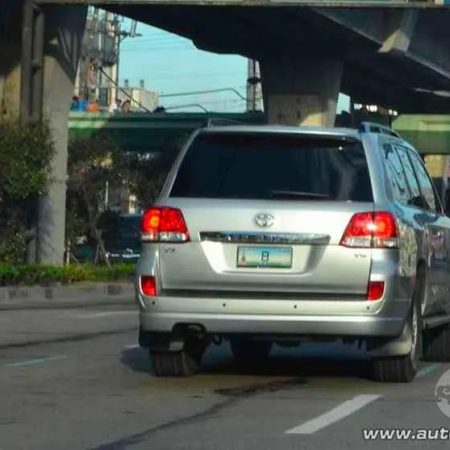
<point>164,49</point>
<point>209,91</point>
<point>189,105</point>
<point>124,91</point>
<point>160,34</point>
<point>143,45</point>
<point>146,39</point>
<point>152,48</point>
<point>182,94</point>
<point>162,77</point>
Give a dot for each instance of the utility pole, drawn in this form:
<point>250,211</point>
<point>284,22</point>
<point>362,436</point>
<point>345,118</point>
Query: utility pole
<point>100,66</point>
<point>254,89</point>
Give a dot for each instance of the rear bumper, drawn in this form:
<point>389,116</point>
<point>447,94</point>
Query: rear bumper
<point>293,325</point>
<point>292,317</point>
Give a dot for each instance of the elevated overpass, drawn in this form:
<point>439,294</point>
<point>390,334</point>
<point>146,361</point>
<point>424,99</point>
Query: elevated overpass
<point>142,132</point>
<point>393,53</point>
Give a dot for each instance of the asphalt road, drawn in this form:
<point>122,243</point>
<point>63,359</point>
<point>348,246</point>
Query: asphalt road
<point>75,379</point>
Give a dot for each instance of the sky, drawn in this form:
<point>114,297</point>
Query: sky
<point>171,64</point>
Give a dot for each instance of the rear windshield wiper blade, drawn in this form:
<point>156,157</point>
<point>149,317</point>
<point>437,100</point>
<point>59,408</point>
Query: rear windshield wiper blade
<point>296,194</point>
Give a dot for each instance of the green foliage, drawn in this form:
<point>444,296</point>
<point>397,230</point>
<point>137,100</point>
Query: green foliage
<point>12,244</point>
<point>25,156</point>
<point>147,175</point>
<point>35,274</point>
<point>92,163</point>
<point>75,225</point>
<point>26,153</point>
<point>95,161</point>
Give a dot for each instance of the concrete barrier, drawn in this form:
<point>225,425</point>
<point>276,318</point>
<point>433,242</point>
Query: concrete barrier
<point>59,296</point>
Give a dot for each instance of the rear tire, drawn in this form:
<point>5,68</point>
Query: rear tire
<point>402,369</point>
<point>175,364</point>
<point>248,352</point>
<point>436,344</point>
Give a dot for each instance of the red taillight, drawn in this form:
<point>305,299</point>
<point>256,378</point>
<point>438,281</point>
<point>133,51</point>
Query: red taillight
<point>371,229</point>
<point>164,225</point>
<point>375,290</point>
<point>148,286</point>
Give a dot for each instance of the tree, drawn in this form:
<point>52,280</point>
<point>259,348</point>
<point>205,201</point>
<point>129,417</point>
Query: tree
<point>147,173</point>
<point>93,162</point>
<point>96,162</point>
<point>26,152</point>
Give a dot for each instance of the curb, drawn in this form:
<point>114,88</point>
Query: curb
<point>80,294</point>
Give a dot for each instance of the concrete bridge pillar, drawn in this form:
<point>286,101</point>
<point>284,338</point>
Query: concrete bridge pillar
<point>10,30</point>
<point>64,34</point>
<point>61,47</point>
<point>301,90</point>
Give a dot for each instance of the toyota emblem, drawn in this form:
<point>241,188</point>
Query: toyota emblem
<point>264,220</point>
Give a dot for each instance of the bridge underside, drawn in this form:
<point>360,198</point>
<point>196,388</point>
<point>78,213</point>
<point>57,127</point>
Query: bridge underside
<point>391,57</point>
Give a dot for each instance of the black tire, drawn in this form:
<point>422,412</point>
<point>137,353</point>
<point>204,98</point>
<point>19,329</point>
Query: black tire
<point>175,364</point>
<point>248,352</point>
<point>436,344</point>
<point>402,369</point>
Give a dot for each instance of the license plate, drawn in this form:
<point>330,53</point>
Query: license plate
<point>270,257</point>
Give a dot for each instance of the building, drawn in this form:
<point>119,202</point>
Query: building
<point>98,72</point>
<point>141,99</point>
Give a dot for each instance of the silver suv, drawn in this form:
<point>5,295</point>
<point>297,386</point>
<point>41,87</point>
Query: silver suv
<point>269,235</point>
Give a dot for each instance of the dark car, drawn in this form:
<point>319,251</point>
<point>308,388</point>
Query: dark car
<point>126,246</point>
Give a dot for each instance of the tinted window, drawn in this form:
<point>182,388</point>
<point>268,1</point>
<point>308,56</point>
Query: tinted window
<point>409,172</point>
<point>426,186</point>
<point>396,175</point>
<point>129,229</point>
<point>273,166</point>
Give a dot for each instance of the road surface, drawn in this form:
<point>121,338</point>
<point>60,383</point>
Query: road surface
<point>75,379</point>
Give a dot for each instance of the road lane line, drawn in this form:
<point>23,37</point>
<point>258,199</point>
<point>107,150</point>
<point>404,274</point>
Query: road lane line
<point>105,314</point>
<point>427,370</point>
<point>340,412</point>
<point>34,361</point>
<point>131,346</point>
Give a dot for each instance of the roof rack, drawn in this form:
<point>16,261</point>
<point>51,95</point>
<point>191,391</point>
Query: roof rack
<point>220,122</point>
<point>371,127</point>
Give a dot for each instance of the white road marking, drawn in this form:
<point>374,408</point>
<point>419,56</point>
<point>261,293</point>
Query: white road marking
<point>131,346</point>
<point>34,361</point>
<point>427,370</point>
<point>105,314</point>
<point>340,412</point>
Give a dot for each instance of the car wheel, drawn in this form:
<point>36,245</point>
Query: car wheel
<point>247,351</point>
<point>436,344</point>
<point>175,364</point>
<point>402,369</point>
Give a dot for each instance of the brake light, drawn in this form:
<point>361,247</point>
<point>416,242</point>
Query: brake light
<point>148,286</point>
<point>375,290</point>
<point>164,225</point>
<point>371,230</point>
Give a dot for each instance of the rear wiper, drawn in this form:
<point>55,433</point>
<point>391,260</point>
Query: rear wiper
<point>296,194</point>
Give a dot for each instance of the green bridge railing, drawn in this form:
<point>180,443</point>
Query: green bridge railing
<point>143,132</point>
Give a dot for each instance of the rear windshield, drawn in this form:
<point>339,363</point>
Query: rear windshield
<point>258,166</point>
<point>129,226</point>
